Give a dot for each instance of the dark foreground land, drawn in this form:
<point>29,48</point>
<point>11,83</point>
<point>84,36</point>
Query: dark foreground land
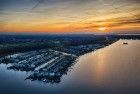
<point>48,57</point>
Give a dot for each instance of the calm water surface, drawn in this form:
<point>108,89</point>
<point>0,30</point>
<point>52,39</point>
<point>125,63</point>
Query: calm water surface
<point>111,70</point>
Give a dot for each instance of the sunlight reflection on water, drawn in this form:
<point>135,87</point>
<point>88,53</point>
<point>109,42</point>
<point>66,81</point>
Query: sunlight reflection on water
<point>113,69</point>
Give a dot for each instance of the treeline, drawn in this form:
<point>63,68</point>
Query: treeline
<point>19,47</point>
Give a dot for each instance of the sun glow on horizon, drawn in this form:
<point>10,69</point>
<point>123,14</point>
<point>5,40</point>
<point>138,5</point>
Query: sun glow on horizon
<point>102,28</point>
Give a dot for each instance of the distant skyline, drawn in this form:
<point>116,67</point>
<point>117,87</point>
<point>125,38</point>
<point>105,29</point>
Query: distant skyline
<point>70,16</point>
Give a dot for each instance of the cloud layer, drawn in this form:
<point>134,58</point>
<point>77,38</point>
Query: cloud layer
<point>69,15</point>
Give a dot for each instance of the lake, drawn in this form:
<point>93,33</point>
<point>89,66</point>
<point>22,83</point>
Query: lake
<point>114,69</point>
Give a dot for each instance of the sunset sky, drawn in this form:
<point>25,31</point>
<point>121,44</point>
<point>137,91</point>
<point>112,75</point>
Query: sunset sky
<point>59,16</point>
